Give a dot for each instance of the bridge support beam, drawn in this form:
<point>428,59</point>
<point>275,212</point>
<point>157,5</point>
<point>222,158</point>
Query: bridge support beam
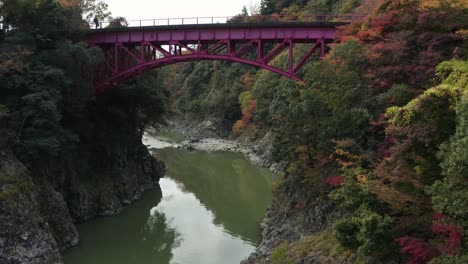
<point>127,54</point>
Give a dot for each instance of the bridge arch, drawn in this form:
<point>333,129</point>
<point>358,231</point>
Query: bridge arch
<point>149,65</point>
<point>132,51</point>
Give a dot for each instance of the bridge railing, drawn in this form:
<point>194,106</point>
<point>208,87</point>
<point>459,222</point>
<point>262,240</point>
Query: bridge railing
<point>230,19</point>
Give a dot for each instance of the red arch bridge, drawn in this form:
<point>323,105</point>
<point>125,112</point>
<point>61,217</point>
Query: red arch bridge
<point>132,50</point>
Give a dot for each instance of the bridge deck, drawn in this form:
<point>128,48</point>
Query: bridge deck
<point>191,34</point>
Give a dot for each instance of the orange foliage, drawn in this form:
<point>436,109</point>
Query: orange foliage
<point>369,35</point>
<point>247,117</point>
<point>247,113</point>
<point>238,127</point>
<point>69,3</point>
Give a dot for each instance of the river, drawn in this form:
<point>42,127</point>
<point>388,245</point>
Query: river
<point>208,210</point>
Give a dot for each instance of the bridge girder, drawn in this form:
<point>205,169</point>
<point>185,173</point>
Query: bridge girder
<point>130,52</point>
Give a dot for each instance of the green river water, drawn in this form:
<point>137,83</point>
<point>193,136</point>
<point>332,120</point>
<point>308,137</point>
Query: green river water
<point>208,210</point>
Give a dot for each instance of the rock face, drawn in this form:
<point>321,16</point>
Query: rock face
<point>38,213</point>
<point>296,211</point>
<point>25,235</point>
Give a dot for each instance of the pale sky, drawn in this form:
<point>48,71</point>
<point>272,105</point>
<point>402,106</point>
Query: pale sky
<point>151,9</point>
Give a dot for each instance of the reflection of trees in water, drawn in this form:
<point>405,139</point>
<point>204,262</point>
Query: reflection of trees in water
<point>158,228</point>
<point>135,236</point>
<point>227,185</point>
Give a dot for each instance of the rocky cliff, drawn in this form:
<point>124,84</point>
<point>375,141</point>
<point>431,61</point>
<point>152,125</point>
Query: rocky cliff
<point>296,213</point>
<point>38,213</point>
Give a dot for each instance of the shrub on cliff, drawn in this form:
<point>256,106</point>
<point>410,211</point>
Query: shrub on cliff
<point>365,230</point>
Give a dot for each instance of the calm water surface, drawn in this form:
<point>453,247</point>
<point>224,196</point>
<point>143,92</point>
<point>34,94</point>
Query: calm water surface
<point>208,210</point>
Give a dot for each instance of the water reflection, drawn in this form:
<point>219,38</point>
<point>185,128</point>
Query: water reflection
<point>226,184</point>
<point>200,240</point>
<point>209,212</point>
<point>135,236</point>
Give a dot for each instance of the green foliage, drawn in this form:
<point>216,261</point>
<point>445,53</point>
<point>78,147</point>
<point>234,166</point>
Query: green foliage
<point>36,112</point>
<point>454,153</point>
<point>434,106</point>
<point>263,91</point>
<point>365,231</point>
<point>117,22</point>
<point>445,259</point>
<point>450,197</point>
<point>280,148</point>
<point>332,6</point>
<point>279,255</point>
<point>351,53</point>
<point>351,195</point>
<point>244,99</point>
<point>345,92</point>
<point>208,89</point>
<point>364,226</point>
<point>424,124</point>
<point>50,110</point>
<point>399,95</point>
<point>347,6</point>
<point>42,18</point>
<point>141,100</point>
<point>94,8</point>
<point>267,7</point>
<point>454,73</point>
<point>436,103</point>
<point>327,108</point>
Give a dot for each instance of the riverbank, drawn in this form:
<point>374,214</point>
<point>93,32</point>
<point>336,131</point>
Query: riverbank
<point>213,135</point>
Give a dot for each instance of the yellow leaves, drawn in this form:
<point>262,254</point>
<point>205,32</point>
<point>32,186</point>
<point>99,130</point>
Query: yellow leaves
<point>345,158</point>
<point>361,178</point>
<point>427,4</point>
<point>463,33</point>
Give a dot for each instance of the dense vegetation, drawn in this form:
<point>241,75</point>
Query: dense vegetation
<point>49,115</point>
<point>384,114</point>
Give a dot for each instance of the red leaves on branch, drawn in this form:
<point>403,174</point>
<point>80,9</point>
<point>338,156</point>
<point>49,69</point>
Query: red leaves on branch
<point>335,181</point>
<point>453,235</point>
<point>418,250</point>
<point>438,216</point>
